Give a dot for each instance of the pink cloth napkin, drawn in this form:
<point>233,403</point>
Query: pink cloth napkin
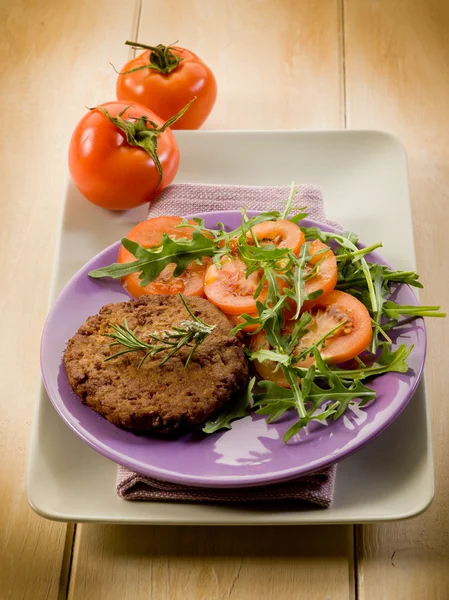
<point>314,489</point>
<point>189,198</point>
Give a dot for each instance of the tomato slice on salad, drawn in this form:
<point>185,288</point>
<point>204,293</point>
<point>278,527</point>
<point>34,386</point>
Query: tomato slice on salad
<point>322,272</point>
<point>230,289</point>
<point>280,233</point>
<point>349,340</point>
<point>149,234</point>
<point>352,338</point>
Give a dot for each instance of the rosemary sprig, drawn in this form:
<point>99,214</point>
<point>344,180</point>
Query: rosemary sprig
<point>189,333</point>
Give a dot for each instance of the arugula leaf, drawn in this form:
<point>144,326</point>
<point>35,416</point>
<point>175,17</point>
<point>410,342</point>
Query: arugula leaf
<point>394,311</point>
<point>275,409</point>
<point>231,413</point>
<point>313,233</point>
<point>273,333</point>
<point>299,294</point>
<point>343,394</point>
<point>299,329</point>
<point>394,359</point>
<point>265,314</point>
<point>348,244</point>
<point>381,298</point>
<point>152,261</point>
<point>247,320</point>
<point>289,206</point>
<point>266,253</point>
<point>278,397</point>
<point>300,393</point>
<point>274,401</point>
<point>390,361</point>
<point>352,277</point>
<point>337,394</point>
<point>338,389</point>
<point>299,216</point>
<point>264,354</point>
<point>407,277</point>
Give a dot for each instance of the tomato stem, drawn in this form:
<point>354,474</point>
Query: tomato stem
<point>161,58</point>
<point>143,132</point>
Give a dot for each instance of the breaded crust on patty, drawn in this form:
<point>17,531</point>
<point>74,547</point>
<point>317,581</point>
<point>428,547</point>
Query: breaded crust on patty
<point>156,400</point>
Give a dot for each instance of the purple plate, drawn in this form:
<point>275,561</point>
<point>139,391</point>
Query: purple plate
<point>252,452</point>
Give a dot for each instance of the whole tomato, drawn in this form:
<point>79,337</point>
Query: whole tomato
<point>122,154</point>
<point>165,78</point>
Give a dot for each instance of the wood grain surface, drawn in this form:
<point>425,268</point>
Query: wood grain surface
<point>204,563</point>
<point>277,63</point>
<point>50,68</point>
<point>280,64</point>
<point>397,79</point>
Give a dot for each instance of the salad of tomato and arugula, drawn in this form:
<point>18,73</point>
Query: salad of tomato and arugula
<point>316,311</point>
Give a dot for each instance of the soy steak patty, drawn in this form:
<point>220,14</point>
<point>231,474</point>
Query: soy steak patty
<point>159,400</point>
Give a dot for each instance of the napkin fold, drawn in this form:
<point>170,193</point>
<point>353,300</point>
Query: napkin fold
<point>315,489</point>
<point>312,489</point>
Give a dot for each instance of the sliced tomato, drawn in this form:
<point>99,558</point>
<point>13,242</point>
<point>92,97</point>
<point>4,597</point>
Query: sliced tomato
<point>280,233</point>
<point>323,272</point>
<point>346,343</point>
<point>149,234</point>
<point>229,288</point>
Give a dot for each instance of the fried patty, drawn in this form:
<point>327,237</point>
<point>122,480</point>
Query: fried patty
<point>153,399</point>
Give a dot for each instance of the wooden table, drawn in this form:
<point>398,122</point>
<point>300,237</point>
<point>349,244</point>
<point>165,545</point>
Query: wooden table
<point>287,64</point>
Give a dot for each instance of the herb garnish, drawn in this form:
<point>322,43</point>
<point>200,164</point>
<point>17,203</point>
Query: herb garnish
<point>189,333</point>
